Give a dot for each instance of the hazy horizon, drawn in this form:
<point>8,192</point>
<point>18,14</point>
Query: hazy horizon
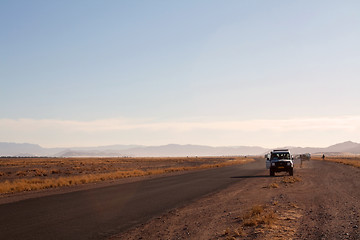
<point>234,73</point>
<point>140,145</point>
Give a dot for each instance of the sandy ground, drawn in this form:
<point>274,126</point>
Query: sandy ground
<point>323,204</point>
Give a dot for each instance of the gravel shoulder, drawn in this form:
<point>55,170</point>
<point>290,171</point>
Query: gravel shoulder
<point>323,202</point>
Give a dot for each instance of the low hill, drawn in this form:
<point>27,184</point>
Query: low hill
<point>170,150</point>
<point>340,148</point>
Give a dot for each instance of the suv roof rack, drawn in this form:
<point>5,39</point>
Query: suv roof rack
<point>281,150</point>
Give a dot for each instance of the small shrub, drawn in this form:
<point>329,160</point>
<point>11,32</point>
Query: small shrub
<point>291,180</point>
<point>256,210</point>
<point>257,216</point>
<point>268,218</point>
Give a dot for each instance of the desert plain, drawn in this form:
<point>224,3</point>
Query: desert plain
<point>178,198</point>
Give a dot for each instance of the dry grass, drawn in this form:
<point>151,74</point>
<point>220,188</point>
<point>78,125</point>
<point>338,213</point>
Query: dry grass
<point>285,180</point>
<point>293,205</point>
<point>20,185</point>
<point>40,172</point>
<point>351,161</point>
<point>233,233</point>
<point>270,221</point>
<point>75,171</point>
<point>258,216</point>
<point>291,179</point>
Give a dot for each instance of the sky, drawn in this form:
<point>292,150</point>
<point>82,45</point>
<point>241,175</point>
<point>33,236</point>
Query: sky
<point>218,73</point>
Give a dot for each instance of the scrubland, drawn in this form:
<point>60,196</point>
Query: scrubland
<point>26,174</point>
<point>347,160</point>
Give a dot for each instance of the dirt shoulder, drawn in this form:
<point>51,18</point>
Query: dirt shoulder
<point>320,202</point>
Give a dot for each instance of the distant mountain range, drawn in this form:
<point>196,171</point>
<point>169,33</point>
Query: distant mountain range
<point>170,150</point>
<point>345,148</point>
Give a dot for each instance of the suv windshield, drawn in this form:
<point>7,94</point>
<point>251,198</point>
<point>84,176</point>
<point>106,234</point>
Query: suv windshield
<point>276,156</point>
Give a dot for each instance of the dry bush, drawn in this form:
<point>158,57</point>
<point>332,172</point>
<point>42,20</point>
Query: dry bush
<point>232,233</point>
<point>258,216</point>
<point>290,179</point>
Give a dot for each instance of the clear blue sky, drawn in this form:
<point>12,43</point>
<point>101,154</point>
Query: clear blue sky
<point>270,73</point>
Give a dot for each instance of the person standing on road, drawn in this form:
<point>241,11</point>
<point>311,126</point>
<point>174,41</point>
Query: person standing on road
<point>323,156</point>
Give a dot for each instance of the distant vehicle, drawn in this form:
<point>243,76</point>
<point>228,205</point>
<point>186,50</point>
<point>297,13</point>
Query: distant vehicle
<point>305,157</point>
<point>280,160</point>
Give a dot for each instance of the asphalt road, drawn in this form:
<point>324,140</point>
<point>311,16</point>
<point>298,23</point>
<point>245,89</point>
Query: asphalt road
<point>101,212</point>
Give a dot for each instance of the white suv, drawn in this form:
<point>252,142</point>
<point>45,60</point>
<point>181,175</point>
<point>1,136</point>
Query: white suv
<point>280,161</point>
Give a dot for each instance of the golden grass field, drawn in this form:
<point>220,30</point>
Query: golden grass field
<point>27,174</point>
<point>352,161</point>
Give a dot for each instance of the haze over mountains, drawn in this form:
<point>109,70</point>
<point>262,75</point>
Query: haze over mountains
<point>170,150</point>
